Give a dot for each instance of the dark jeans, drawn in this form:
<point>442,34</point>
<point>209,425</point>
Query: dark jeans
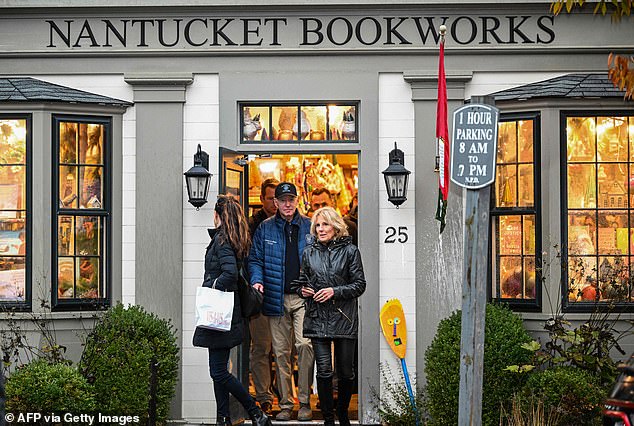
<point>344,356</point>
<point>226,383</point>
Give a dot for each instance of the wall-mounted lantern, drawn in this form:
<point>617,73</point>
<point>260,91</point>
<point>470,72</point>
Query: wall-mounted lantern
<point>198,179</point>
<point>396,177</point>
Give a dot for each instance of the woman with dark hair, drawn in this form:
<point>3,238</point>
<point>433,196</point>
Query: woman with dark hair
<point>331,280</point>
<point>229,245</point>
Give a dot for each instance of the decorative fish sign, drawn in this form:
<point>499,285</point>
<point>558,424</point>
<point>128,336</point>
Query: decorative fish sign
<point>394,329</point>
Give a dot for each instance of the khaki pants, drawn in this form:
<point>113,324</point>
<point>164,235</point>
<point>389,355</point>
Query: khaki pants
<point>259,358</point>
<point>282,331</point>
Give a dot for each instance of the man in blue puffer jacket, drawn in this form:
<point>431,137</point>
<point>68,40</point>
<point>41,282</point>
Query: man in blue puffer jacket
<point>274,262</point>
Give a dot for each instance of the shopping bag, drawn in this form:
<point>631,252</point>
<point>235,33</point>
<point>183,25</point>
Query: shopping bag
<point>214,308</point>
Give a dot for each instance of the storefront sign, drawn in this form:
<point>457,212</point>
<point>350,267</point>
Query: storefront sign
<point>346,31</point>
<point>474,146</point>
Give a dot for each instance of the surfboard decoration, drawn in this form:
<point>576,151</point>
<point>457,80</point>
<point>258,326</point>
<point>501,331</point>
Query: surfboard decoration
<point>394,328</point>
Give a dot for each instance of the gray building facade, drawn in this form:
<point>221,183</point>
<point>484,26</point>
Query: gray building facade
<point>188,72</point>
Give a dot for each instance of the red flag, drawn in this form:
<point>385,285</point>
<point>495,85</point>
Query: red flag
<point>442,138</point>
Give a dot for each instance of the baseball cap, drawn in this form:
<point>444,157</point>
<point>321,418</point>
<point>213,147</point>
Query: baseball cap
<point>285,188</point>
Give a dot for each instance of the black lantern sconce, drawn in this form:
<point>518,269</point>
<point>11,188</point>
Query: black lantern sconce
<point>396,177</point>
<point>198,179</point>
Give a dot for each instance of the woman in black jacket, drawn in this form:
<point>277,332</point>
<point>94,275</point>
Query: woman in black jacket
<point>229,245</point>
<point>331,280</point>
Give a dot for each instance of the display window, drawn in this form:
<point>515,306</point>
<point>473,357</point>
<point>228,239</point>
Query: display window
<point>82,219</point>
<point>598,180</point>
<point>330,122</point>
<point>515,223</point>
<point>14,211</point>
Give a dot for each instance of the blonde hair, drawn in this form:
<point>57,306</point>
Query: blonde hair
<point>332,218</point>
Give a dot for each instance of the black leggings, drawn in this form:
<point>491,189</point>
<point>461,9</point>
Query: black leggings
<point>344,357</point>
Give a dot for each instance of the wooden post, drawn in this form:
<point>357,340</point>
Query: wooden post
<point>474,273</point>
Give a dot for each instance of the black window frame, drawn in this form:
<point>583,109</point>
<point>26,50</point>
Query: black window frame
<point>298,105</point>
<point>27,304</point>
<point>586,306</point>
<point>522,305</point>
<point>78,304</point>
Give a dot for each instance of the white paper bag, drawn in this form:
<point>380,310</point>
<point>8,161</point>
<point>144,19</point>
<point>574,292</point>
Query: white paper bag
<point>214,308</point>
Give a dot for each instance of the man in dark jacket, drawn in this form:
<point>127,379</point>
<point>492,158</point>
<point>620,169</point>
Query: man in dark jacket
<point>274,262</point>
<point>261,346</point>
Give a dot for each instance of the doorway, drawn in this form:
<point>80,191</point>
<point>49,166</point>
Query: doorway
<point>242,176</point>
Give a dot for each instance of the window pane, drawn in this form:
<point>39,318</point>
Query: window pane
<point>612,138</point>
<point>613,184</point>
<point>510,235</point>
<point>284,123</point>
<point>511,277</point>
<point>313,122</point>
<point>90,152</point>
<point>12,141</point>
<point>91,187</point>
<point>529,235</point>
<point>613,232</point>
<point>88,231</point>
<point>88,273</point>
<point>525,140</point>
<point>581,139</point>
<point>614,279</point>
<point>12,279</point>
<point>505,184</point>
<point>68,187</point>
<point>12,237</point>
<point>526,187</point>
<point>342,122</point>
<point>581,233</point>
<point>12,187</point>
<point>507,142</point>
<point>65,277</point>
<point>582,186</point>
<point>582,273</point>
<point>255,123</point>
<point>66,236</point>
<point>68,142</point>
<point>530,278</point>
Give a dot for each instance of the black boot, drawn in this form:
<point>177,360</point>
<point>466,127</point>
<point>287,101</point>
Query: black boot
<point>259,418</point>
<point>326,404</point>
<point>223,421</point>
<point>343,401</point>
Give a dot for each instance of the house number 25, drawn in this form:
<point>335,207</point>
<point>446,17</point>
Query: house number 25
<point>393,234</point>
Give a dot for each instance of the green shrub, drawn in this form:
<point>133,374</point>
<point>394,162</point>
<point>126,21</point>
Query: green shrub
<point>393,403</point>
<point>117,360</point>
<point>45,388</point>
<point>504,335</point>
<point>574,393</point>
